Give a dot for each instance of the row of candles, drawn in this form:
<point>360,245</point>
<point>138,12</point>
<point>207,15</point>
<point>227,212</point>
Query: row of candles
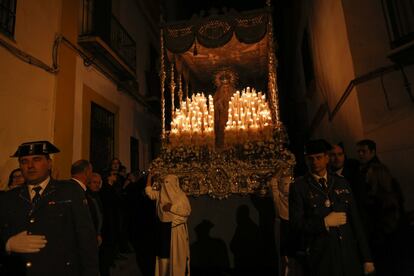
<point>248,112</point>
<point>194,116</point>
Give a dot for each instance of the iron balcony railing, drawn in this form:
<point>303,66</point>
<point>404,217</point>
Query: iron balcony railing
<point>97,20</point>
<point>122,43</point>
<point>7,17</point>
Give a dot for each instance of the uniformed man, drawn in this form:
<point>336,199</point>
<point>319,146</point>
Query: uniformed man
<point>323,210</point>
<point>81,172</point>
<point>45,225</point>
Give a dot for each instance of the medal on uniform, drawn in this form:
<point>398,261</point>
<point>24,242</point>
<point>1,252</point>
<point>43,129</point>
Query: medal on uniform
<point>327,188</point>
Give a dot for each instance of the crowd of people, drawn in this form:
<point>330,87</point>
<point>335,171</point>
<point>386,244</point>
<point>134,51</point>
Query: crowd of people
<point>343,217</point>
<point>126,209</point>
<point>51,227</point>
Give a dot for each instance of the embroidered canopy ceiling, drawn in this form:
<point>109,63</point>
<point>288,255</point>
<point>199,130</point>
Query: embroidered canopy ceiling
<point>202,45</point>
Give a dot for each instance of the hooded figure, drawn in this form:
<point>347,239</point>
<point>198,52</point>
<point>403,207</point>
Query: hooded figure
<point>173,209</point>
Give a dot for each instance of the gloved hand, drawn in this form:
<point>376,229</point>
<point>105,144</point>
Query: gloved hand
<point>99,240</point>
<point>24,243</point>
<point>369,268</point>
<point>335,219</point>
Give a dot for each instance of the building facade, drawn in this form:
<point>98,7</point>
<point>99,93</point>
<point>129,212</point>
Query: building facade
<point>349,77</point>
<point>82,74</point>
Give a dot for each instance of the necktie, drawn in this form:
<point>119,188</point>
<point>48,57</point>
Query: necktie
<point>322,182</point>
<point>36,197</point>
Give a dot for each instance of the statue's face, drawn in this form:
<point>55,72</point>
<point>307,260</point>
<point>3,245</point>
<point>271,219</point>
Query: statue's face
<point>225,78</point>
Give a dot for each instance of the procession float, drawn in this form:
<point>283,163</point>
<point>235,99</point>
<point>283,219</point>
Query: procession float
<point>221,129</point>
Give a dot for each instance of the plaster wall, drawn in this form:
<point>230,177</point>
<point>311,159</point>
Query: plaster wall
<point>28,95</point>
<point>334,69</point>
<point>27,92</point>
<point>349,39</point>
<point>133,118</point>
<point>392,127</point>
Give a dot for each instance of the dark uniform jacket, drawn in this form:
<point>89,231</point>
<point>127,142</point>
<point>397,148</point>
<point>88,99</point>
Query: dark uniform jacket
<point>111,203</point>
<point>339,251</point>
<point>356,180</point>
<point>95,207</point>
<point>92,206</point>
<point>62,216</point>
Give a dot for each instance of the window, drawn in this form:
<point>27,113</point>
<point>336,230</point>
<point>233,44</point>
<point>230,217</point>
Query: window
<point>134,154</point>
<point>102,141</point>
<point>7,17</point>
<point>399,15</point>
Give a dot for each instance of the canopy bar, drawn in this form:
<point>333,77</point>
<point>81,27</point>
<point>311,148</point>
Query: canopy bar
<point>216,30</point>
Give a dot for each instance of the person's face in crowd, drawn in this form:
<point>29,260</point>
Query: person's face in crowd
<point>17,179</point>
<point>365,154</point>
<point>131,177</point>
<point>186,185</point>
<point>123,171</point>
<point>115,165</point>
<point>337,157</point>
<point>35,168</point>
<point>96,183</point>
<point>284,185</point>
<point>112,178</point>
<point>317,163</point>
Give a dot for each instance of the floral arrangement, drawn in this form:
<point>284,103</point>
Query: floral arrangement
<point>243,169</point>
<point>254,148</point>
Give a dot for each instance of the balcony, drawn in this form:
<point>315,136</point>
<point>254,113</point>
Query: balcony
<point>7,17</point>
<point>399,15</point>
<point>106,39</point>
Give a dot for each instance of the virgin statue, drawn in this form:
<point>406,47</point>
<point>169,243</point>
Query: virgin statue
<point>225,81</point>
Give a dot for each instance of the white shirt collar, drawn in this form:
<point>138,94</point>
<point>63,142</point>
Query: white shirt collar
<point>42,184</point>
<point>339,171</point>
<point>317,177</point>
<point>80,183</point>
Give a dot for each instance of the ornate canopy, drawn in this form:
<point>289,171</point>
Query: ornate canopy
<point>225,56</point>
<point>202,45</point>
